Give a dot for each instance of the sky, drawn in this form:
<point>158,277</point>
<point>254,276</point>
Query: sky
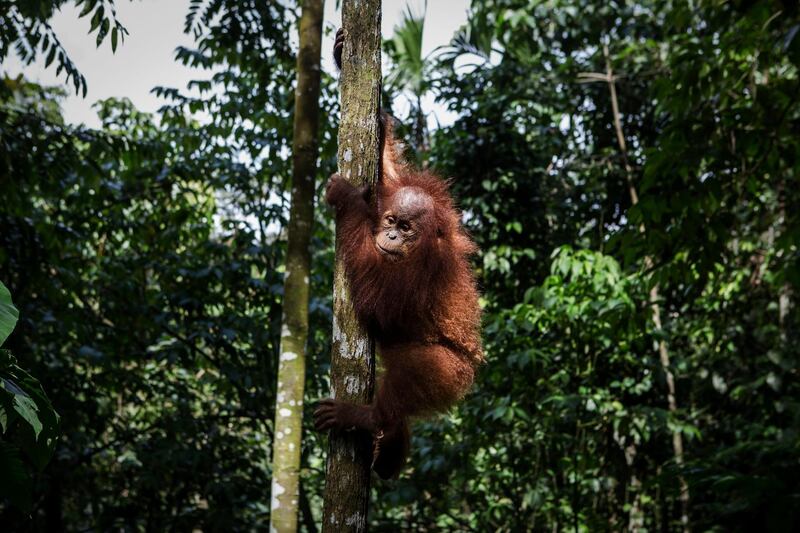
<point>145,59</point>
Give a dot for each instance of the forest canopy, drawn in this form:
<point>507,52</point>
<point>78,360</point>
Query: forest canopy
<point>626,169</point>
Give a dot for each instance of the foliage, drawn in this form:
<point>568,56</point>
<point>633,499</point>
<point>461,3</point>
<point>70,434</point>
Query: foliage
<point>28,422</point>
<point>410,73</point>
<point>8,314</point>
<point>410,68</point>
<point>580,436</point>
<point>25,29</point>
<point>146,261</point>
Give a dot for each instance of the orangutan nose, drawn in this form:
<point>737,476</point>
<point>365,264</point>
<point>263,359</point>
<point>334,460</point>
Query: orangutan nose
<point>392,235</point>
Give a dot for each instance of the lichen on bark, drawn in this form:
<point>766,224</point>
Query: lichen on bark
<point>353,352</point>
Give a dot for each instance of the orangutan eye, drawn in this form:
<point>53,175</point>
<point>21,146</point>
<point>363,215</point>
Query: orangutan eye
<point>390,219</point>
<point>404,226</point>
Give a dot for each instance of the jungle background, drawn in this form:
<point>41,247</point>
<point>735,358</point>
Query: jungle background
<point>628,169</point>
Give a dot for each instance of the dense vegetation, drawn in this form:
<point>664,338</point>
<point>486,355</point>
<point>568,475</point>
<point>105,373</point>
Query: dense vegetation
<point>625,254</point>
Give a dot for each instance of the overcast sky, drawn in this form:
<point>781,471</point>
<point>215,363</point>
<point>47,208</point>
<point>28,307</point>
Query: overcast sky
<point>145,59</point>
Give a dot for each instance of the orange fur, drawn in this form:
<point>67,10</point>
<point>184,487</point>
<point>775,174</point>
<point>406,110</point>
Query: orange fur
<point>422,310</point>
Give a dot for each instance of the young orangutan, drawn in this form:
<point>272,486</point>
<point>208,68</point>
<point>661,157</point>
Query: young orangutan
<point>412,287</point>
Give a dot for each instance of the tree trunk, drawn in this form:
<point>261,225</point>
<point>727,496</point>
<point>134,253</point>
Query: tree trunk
<point>294,324</point>
<point>353,352</point>
<point>663,352</point>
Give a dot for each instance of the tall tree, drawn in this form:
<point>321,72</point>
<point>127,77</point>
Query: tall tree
<point>653,295</point>
<point>353,352</point>
<point>294,324</point>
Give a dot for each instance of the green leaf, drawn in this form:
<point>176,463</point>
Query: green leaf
<point>50,56</point>
<point>8,314</point>
<point>26,407</point>
<point>86,9</point>
<point>114,33</point>
<point>101,34</point>
<point>97,18</point>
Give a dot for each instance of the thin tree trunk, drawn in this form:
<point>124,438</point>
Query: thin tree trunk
<point>663,352</point>
<point>785,292</point>
<point>294,324</point>
<point>633,491</point>
<point>422,134</point>
<point>353,351</point>
<point>653,297</point>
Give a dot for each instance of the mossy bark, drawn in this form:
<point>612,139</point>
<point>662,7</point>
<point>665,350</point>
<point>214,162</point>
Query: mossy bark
<point>294,328</point>
<point>353,352</point>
